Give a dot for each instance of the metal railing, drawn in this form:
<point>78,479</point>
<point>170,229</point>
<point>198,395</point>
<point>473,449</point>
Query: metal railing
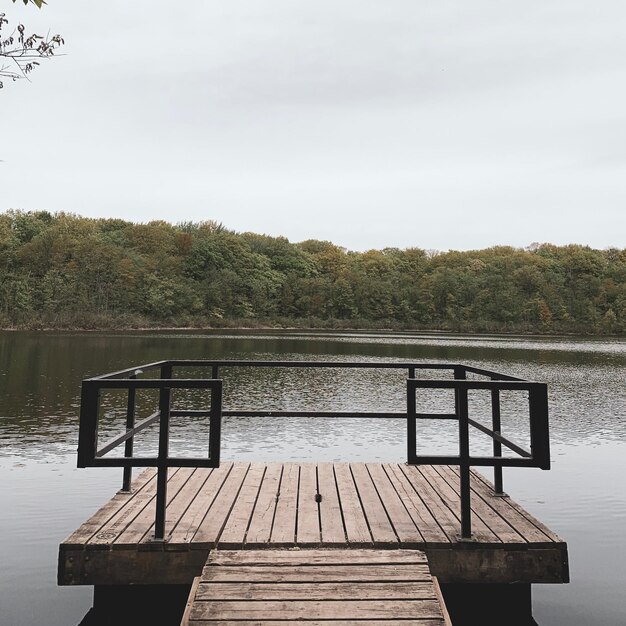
<point>90,454</point>
<point>537,456</point>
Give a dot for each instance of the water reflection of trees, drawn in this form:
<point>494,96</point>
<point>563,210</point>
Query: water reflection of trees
<point>40,375</point>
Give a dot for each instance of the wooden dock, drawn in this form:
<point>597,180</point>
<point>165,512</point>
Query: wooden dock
<point>203,517</point>
<point>330,587</point>
<point>254,506</point>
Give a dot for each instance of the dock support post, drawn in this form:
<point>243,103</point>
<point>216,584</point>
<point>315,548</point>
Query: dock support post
<point>129,605</point>
<point>489,604</point>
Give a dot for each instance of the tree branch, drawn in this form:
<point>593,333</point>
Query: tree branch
<point>24,50</point>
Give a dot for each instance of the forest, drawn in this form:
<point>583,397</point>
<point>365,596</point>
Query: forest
<point>63,271</point>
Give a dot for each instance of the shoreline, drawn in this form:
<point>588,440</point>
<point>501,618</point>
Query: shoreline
<point>328,329</point>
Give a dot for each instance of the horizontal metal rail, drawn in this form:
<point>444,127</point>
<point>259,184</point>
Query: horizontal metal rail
<point>337,414</point>
<point>130,372</point>
<point>150,461</point>
<point>151,383</point>
<point>511,385</point>
<point>476,461</point>
<point>281,364</point>
<point>489,373</point>
<point>314,364</point>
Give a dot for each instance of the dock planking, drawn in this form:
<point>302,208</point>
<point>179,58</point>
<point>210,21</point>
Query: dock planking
<point>332,587</point>
<point>252,506</point>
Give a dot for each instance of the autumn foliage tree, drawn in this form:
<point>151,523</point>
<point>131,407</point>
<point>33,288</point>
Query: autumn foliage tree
<point>65,271</point>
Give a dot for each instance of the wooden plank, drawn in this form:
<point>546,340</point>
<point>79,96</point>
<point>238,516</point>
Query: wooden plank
<point>110,531</point>
<point>190,600</point>
<point>427,525</point>
<point>320,556</point>
<point>308,521</point>
<point>260,527</point>
<point>446,519</point>
<point>401,521</point>
<point>188,524</point>
<point>339,622</point>
<point>142,528</point>
<point>211,526</point>
<point>376,516</point>
<point>484,487</point>
<point>316,573</point>
<point>316,591</point>
<point>480,531</point>
<point>235,590</point>
<point>284,527</point>
<point>332,530</point>
<point>184,499</point>
<point>103,515</point>
<point>316,609</point>
<point>502,505</point>
<point>447,620</point>
<point>357,530</point>
<point>436,504</point>
<point>234,534</point>
<point>480,509</point>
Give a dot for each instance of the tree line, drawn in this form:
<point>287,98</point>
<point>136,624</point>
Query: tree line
<point>65,271</point>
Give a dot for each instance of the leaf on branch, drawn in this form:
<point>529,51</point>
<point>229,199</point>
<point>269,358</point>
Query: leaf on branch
<point>20,56</point>
<point>38,3</point>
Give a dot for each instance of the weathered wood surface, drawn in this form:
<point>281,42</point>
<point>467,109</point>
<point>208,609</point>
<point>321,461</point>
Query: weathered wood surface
<point>332,587</point>
<point>342,505</point>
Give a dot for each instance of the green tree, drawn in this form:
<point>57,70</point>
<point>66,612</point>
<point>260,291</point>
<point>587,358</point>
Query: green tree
<point>63,270</point>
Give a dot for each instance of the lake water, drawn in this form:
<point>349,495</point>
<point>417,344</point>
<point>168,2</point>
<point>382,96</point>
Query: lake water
<point>43,497</point>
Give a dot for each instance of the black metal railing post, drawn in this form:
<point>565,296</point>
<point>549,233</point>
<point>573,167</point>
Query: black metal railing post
<point>539,426</point>
<point>411,409</point>
<point>411,422</point>
<point>88,424</point>
<point>165,395</point>
<point>130,423</point>
<point>162,468</point>
<point>215,422</point>
<point>462,413</point>
<point>215,419</point>
<point>496,426</point>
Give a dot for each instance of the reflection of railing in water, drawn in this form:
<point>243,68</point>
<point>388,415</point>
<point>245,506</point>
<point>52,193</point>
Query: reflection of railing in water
<point>90,455</point>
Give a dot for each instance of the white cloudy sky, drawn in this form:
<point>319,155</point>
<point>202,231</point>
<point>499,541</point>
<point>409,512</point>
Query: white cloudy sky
<point>437,124</point>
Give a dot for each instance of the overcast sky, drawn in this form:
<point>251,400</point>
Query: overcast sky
<point>440,125</point>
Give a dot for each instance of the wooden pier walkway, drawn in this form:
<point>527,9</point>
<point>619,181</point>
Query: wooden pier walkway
<point>333,587</point>
<point>254,506</point>
<point>203,517</point>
